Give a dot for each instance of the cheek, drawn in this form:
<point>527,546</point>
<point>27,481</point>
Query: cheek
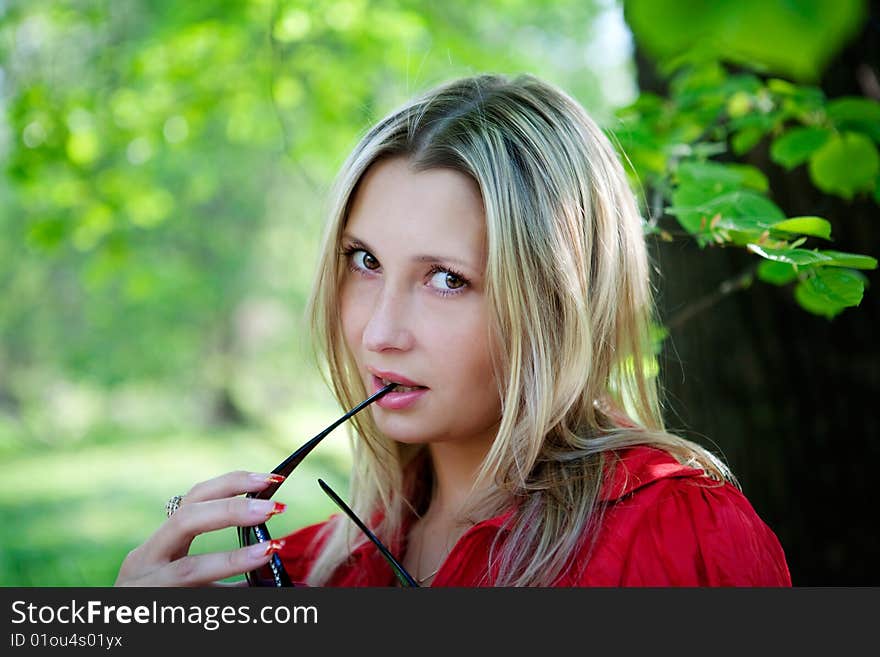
<point>477,403</point>
<point>352,315</point>
<point>465,346</point>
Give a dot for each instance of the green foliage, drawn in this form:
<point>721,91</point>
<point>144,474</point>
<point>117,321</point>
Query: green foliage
<point>797,145</point>
<point>682,149</point>
<point>165,167</point>
<point>795,39</point>
<point>845,164</point>
<point>829,291</point>
<point>160,155</point>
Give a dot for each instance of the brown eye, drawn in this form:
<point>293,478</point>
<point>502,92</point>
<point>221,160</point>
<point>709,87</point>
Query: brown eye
<point>453,281</point>
<point>445,282</point>
<point>369,261</point>
<point>360,259</point>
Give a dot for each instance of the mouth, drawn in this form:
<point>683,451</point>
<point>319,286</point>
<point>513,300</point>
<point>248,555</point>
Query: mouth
<point>383,381</point>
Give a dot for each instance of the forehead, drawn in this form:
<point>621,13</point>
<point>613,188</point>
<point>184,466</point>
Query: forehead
<point>437,210</point>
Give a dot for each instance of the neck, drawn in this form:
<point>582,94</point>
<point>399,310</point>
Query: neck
<point>455,465</point>
<point>455,470</point>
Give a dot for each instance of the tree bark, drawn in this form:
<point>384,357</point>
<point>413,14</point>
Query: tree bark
<point>787,397</point>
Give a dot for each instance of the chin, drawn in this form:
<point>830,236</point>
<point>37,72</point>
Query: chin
<point>402,432</point>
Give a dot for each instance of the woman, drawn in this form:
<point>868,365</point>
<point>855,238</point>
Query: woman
<point>485,251</point>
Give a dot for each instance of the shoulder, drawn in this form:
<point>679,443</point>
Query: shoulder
<point>667,524</point>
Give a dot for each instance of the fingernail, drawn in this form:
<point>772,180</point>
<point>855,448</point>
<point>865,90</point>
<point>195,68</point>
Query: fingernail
<point>261,478</point>
<point>266,548</point>
<point>277,508</point>
<point>266,508</point>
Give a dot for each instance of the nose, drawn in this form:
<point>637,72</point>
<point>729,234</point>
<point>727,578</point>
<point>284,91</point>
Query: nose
<point>389,326</point>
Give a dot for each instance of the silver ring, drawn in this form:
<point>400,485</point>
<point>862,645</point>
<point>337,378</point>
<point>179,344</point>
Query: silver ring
<point>173,504</point>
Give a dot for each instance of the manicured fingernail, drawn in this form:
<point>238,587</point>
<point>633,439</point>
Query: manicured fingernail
<point>261,478</point>
<point>277,508</point>
<point>264,549</point>
<point>265,508</point>
<point>274,546</point>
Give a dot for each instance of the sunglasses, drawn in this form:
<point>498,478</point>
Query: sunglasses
<point>273,573</point>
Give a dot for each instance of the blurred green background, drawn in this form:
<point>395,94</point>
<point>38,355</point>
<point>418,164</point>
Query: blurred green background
<point>165,167</point>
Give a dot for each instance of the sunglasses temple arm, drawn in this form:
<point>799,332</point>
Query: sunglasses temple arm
<point>405,578</point>
<point>279,574</point>
<point>289,464</point>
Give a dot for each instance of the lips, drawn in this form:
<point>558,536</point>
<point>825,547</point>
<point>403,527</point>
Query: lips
<point>385,377</point>
<point>398,399</point>
<point>378,384</point>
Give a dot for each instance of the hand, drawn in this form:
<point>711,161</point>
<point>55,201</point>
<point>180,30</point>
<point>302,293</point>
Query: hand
<point>164,560</point>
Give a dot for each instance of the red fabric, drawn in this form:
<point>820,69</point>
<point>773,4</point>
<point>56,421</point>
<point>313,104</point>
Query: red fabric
<point>665,524</point>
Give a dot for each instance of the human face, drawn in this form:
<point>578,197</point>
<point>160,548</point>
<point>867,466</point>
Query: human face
<point>413,302</point>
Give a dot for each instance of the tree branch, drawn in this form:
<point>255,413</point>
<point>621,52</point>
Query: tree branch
<point>734,284</point>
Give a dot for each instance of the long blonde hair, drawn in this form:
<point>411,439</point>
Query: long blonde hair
<point>568,284</point>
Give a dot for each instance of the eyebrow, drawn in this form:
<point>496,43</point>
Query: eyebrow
<point>417,258</point>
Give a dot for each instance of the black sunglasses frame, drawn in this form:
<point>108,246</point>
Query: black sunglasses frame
<point>278,576</point>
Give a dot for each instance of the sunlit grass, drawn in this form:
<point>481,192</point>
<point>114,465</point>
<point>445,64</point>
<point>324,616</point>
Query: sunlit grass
<point>70,515</point>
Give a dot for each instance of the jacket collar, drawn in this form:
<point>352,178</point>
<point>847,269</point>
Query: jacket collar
<point>629,469</point>
<point>636,467</point>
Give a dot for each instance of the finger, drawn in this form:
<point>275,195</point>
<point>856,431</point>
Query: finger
<point>207,569</point>
<point>172,540</point>
<point>230,484</point>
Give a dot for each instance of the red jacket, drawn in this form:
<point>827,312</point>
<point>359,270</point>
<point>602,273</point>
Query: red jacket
<point>666,524</point>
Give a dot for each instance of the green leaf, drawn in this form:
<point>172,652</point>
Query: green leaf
<point>854,108</point>
<point>845,164</point>
<point>797,257</point>
<point>853,260</point>
<point>746,139</point>
<point>47,234</point>
<point>801,98</point>
<point>804,106</point>
<point>792,39</point>
<point>796,145</point>
<point>658,333</point>
<point>722,177</point>
<point>817,258</point>
<point>739,104</point>
<point>744,224</point>
<point>697,208</point>
<point>855,113</point>
<point>707,149</point>
<point>830,291</point>
<point>701,74</point>
<point>736,237</point>
<point>776,273</point>
<point>812,226</point>
<point>83,147</point>
<point>781,87</point>
<point>764,120</point>
<point>750,176</point>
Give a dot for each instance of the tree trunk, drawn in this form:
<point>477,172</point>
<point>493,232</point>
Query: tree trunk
<point>787,397</point>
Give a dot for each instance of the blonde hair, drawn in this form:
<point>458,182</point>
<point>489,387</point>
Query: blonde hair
<point>567,280</point>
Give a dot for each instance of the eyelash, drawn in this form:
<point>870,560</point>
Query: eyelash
<point>347,252</point>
